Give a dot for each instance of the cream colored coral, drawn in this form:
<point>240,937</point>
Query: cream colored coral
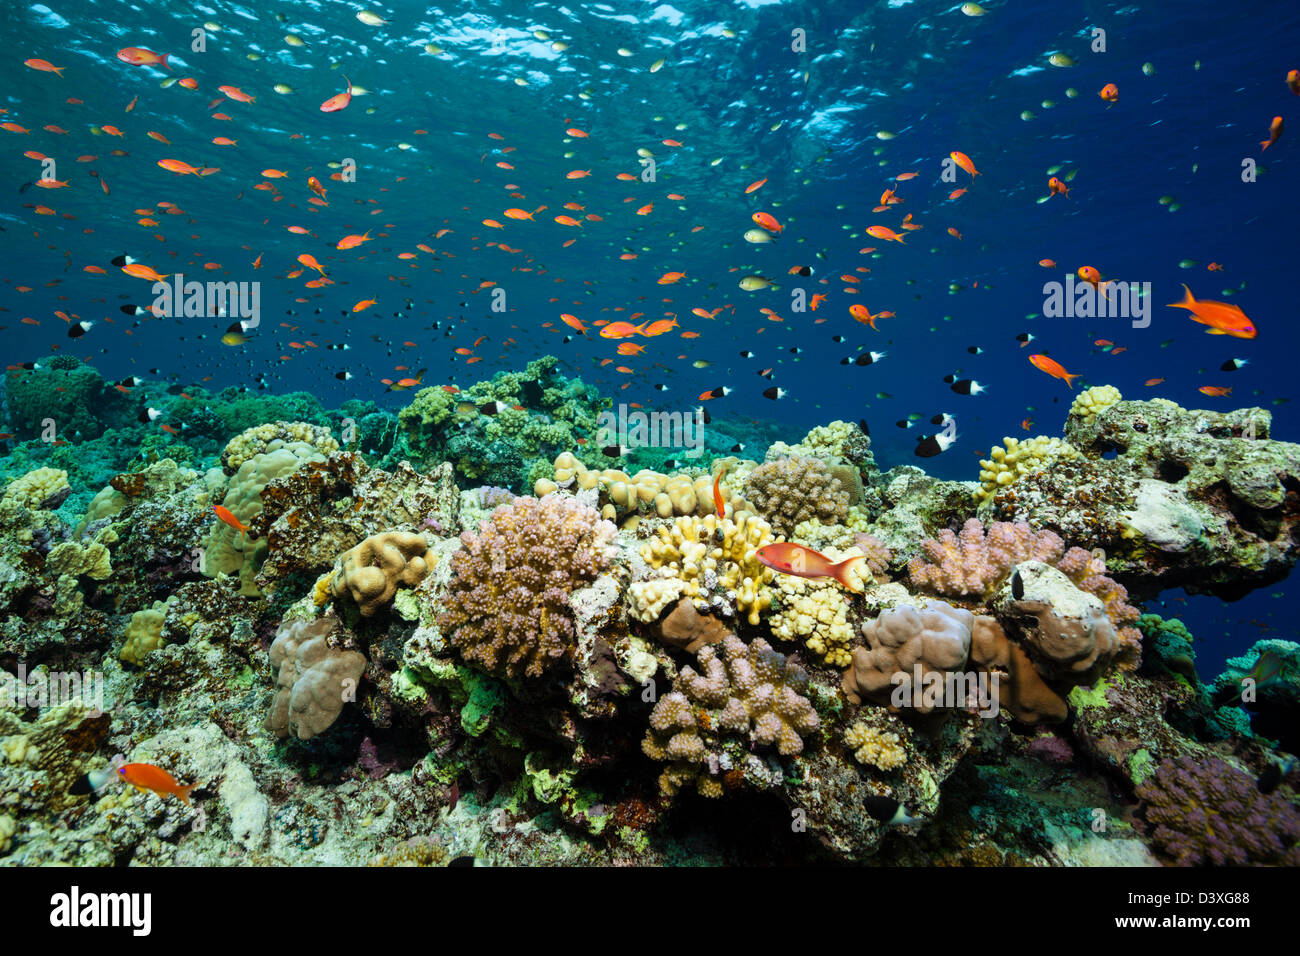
<point>883,750</point>
<point>816,612</point>
<point>144,633</point>
<point>371,572</point>
<point>36,486</point>
<point>825,441</point>
<point>1007,465</point>
<point>646,600</point>
<point>261,439</point>
<point>704,550</point>
<point>1091,402</point>
<point>646,491</point>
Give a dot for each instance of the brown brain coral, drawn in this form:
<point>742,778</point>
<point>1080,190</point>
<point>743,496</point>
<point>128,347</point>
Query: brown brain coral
<point>790,490</point>
<point>371,572</point>
<point>508,603</point>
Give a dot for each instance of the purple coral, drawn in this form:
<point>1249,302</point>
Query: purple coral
<point>1206,811</point>
<point>877,552</point>
<point>978,560</point>
<point>508,603</point>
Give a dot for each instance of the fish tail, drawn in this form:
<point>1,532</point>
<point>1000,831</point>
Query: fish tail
<point>1188,301</point>
<point>841,573</point>
<point>163,60</point>
<point>1069,379</point>
<point>1264,144</point>
<point>184,793</point>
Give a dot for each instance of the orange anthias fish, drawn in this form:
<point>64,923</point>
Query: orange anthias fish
<point>314,185</point>
<point>1053,368</point>
<point>339,100</point>
<point>145,776</point>
<point>225,515</point>
<point>176,166</point>
<point>804,562</point>
<point>139,270</point>
<point>883,232</point>
<point>310,262</point>
<point>1274,131</point>
<point>236,94</point>
<point>863,315</point>
<point>1293,81</point>
<point>1057,188</point>
<point>620,330</point>
<point>1222,318</point>
<point>352,241</point>
<point>45,66</point>
<point>1217,391</point>
<point>768,222</point>
<point>964,161</point>
<point>138,56</point>
<point>717,491</point>
<point>1109,93</point>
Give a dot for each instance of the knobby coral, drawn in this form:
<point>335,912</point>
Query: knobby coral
<point>507,608</point>
<point>745,691</point>
<point>1206,811</point>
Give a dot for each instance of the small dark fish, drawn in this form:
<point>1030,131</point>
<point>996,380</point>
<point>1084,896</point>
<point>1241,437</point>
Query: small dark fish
<point>1017,587</point>
<point>462,861</point>
<point>774,393</point>
<point>967,386</point>
<point>934,445</point>
<point>888,811</point>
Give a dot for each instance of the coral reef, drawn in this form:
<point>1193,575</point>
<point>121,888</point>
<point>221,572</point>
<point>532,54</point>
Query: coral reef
<point>371,572</point>
<point>508,609</point>
<point>313,679</point>
<point>790,490</point>
<point>1208,812</point>
<point>745,693</point>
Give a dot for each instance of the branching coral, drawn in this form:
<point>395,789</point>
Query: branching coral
<point>1007,465</point>
<point>870,745</point>
<point>744,691</point>
<point>1091,402</point>
<point>790,490</point>
<point>717,561</point>
<point>1206,811</point>
<point>507,608</point>
<point>815,612</point>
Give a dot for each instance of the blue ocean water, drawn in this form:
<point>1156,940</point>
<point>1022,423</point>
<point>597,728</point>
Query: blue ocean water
<point>881,89</point>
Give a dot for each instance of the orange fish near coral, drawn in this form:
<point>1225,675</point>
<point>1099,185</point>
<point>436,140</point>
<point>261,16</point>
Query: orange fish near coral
<point>225,515</point>
<point>1222,318</point>
<point>717,492</point>
<point>145,776</point>
<point>1053,368</point>
<point>804,562</point>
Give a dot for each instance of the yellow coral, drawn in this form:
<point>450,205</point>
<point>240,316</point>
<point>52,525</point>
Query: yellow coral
<point>881,749</point>
<point>1091,402</point>
<point>31,489</point>
<point>371,572</point>
<point>646,491</point>
<point>817,612</point>
<point>144,633</point>
<point>1005,466</point>
<point>699,550</point>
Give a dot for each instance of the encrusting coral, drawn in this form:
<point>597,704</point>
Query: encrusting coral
<point>1091,402</point>
<point>935,638</point>
<point>260,439</point>
<point>870,745</point>
<point>507,609</point>
<point>41,488</point>
<point>746,693</point>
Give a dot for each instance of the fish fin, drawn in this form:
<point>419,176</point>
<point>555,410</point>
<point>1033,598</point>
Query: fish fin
<point>841,573</point>
<point>1069,379</point>
<point>163,60</point>
<point>1188,300</point>
<point>184,793</point>
<point>1215,332</point>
